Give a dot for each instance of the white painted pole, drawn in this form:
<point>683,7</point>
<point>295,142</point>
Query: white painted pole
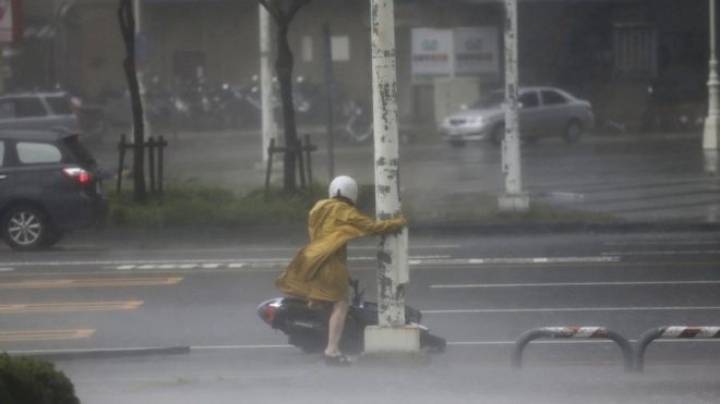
<point>269,130</point>
<point>513,199</point>
<point>710,133</point>
<point>391,334</point>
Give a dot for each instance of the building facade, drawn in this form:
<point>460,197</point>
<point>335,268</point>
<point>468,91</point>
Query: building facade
<point>609,51</point>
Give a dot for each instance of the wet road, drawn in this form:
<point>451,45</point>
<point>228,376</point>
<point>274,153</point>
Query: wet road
<point>481,293</point>
<point>475,291</point>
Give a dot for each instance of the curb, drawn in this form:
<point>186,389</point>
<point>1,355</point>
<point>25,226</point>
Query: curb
<point>151,238</point>
<point>102,353</point>
<point>545,228</point>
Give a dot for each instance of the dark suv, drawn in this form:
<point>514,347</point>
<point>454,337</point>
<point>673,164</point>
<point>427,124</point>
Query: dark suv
<point>49,184</point>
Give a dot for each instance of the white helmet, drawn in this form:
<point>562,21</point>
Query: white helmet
<point>344,186</point>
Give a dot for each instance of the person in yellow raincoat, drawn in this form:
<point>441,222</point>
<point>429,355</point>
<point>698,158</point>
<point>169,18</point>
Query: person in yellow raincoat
<point>318,272</point>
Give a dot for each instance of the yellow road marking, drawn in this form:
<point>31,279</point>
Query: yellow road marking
<point>44,335</point>
<point>69,307</point>
<point>83,283</point>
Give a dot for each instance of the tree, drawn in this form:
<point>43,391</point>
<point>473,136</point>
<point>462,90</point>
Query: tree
<point>127,29</point>
<point>283,12</point>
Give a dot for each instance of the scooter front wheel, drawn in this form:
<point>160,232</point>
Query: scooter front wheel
<point>432,343</point>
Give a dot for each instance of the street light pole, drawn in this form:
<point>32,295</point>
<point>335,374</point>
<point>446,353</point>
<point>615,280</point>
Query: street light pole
<point>513,199</point>
<point>710,133</point>
<point>391,334</point>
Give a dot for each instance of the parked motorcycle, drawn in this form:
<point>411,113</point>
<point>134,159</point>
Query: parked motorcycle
<point>356,123</point>
<point>307,328</point>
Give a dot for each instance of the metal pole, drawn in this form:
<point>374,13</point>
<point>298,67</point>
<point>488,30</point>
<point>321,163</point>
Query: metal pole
<point>513,199</point>
<point>269,130</point>
<point>391,334</point>
<point>710,133</point>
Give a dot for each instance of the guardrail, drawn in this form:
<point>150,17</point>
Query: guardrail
<point>572,333</point>
<point>670,332</point>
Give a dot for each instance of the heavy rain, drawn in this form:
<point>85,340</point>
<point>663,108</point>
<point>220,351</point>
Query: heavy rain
<point>264,201</point>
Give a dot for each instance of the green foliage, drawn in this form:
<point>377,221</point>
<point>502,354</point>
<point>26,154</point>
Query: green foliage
<point>26,380</point>
<point>191,204</point>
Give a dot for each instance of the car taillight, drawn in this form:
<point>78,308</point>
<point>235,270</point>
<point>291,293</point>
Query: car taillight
<point>78,174</point>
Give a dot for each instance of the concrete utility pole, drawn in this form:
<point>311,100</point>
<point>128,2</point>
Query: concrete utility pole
<point>269,129</point>
<point>141,70</point>
<point>391,334</point>
<point>710,134</point>
<point>513,199</point>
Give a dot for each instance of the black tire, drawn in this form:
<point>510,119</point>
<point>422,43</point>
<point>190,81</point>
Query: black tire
<point>432,343</point>
<point>54,236</point>
<point>308,343</point>
<point>26,228</point>
<point>498,135</point>
<point>573,132</point>
<point>458,143</point>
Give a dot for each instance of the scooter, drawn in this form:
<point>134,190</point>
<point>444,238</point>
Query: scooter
<point>307,327</point>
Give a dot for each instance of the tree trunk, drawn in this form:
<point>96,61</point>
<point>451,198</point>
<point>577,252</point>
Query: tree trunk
<point>284,68</point>
<point>127,28</point>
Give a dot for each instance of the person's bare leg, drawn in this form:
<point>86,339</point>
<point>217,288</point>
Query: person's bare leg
<point>335,327</point>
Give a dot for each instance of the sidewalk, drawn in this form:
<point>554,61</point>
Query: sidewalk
<point>433,188</point>
<point>264,377</point>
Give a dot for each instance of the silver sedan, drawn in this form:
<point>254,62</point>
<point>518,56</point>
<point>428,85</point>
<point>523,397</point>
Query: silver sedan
<point>544,112</point>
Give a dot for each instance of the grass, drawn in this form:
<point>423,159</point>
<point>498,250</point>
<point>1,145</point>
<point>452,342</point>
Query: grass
<point>192,204</point>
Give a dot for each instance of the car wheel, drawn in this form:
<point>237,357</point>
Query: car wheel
<point>458,143</point>
<point>54,236</point>
<point>497,136</point>
<point>573,132</point>
<point>26,228</point>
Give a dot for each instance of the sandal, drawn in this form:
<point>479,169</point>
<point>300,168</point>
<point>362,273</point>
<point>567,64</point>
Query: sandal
<point>339,360</point>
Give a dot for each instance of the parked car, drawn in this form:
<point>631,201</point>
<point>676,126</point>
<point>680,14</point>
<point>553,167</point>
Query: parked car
<point>38,111</point>
<point>544,112</point>
<point>49,184</point>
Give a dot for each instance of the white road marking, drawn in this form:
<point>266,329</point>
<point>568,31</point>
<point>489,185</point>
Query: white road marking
<point>250,263</point>
<point>6,269</point>
<point>569,310</point>
<point>456,343</point>
<point>540,260</point>
<point>660,253</point>
<point>660,243</point>
<point>564,284</point>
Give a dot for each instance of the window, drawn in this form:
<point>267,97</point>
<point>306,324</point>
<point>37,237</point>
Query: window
<point>81,154</point>
<point>59,105</point>
<point>28,107</point>
<point>38,153</point>
<point>7,109</point>
<point>553,98</point>
<point>635,48</point>
<point>529,100</point>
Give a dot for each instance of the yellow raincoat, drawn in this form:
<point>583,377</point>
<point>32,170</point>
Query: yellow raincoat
<point>318,272</point>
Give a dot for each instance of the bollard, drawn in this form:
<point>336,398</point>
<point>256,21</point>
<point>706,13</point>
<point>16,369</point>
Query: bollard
<point>670,332</point>
<point>572,333</point>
